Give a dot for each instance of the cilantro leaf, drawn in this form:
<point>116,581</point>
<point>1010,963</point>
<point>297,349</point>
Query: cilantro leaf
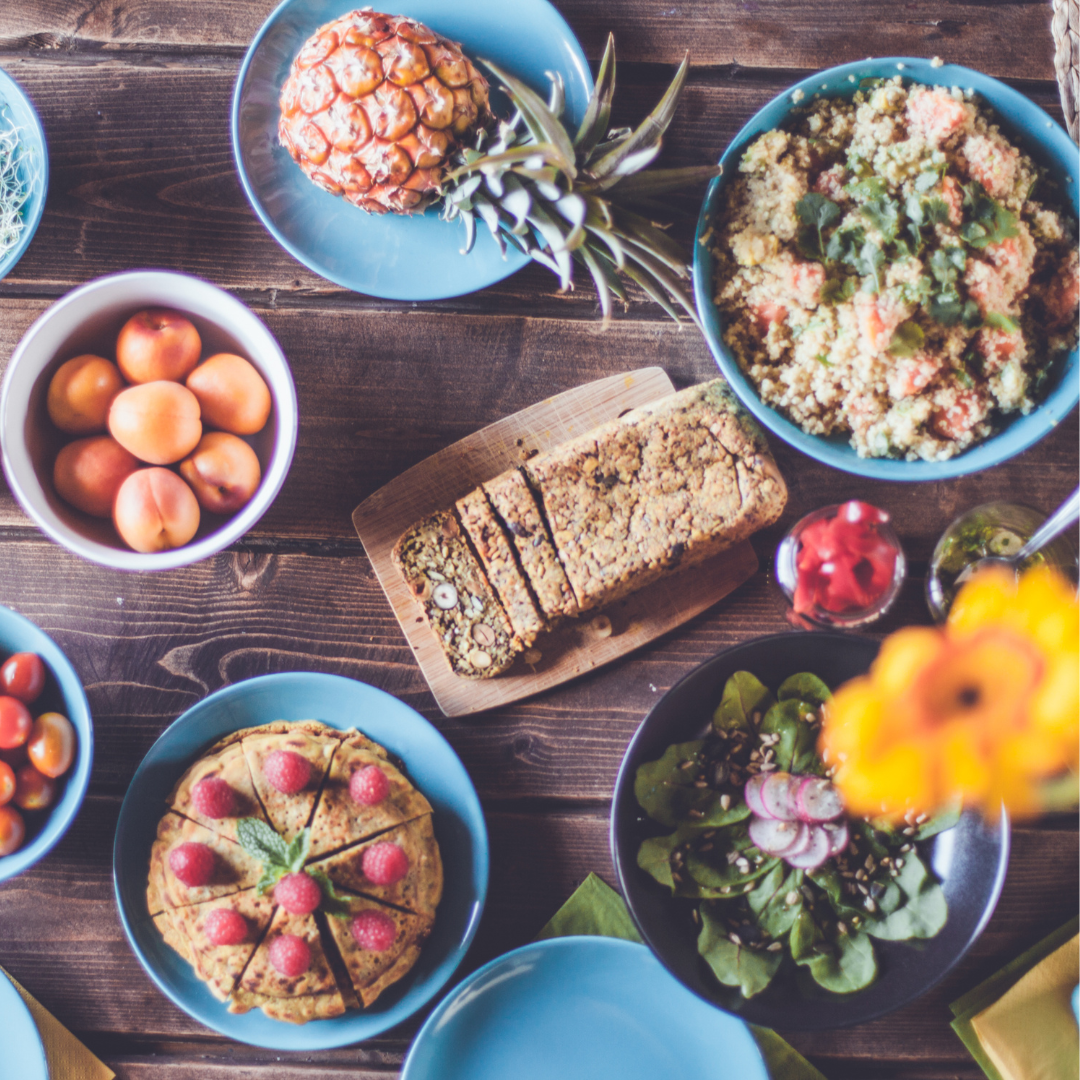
<point>884,215</point>
<point>945,308</point>
<point>937,211</point>
<point>970,316</point>
<point>925,181</point>
<point>873,187</point>
<point>946,263</point>
<point>990,222</point>
<point>817,212</point>
<point>907,339</point>
<point>1001,322</point>
<point>914,210</point>
<point>262,842</point>
<point>837,290</point>
<point>869,261</point>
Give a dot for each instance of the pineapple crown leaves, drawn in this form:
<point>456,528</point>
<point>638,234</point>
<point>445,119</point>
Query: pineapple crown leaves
<point>559,200</point>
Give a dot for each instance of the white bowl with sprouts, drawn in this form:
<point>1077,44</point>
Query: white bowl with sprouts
<point>24,172</point>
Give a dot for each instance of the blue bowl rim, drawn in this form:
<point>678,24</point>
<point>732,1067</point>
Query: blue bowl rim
<point>481,868</point>
<point>78,712</point>
<point>514,260</point>
<point>9,87</point>
<point>1025,430</point>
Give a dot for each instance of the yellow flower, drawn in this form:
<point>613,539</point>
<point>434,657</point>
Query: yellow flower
<point>986,709</point>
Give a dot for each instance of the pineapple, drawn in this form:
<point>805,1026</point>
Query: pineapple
<point>374,106</point>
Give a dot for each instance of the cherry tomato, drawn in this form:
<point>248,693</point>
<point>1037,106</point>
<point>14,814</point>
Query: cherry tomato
<point>23,677</point>
<point>32,790</point>
<point>51,745</point>
<point>7,782</point>
<point>15,723</point>
<point>12,830</point>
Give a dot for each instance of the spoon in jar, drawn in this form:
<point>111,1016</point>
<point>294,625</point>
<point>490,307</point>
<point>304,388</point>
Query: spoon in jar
<point>1068,513</point>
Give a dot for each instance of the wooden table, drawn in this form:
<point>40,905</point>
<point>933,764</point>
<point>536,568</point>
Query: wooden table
<point>134,95</point>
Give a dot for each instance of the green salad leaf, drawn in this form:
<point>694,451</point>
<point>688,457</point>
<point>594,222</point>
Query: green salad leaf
<point>798,736</point>
<point>776,900</point>
<point>743,696</point>
<point>804,687</point>
<point>850,966</point>
<point>751,970</point>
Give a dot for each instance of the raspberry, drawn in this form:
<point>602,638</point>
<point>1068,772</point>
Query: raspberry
<point>298,894</point>
<point>192,863</point>
<point>290,955</point>
<point>385,863</point>
<point>223,926</point>
<point>287,771</point>
<point>369,785</point>
<point>374,931</point>
<point>214,798</point>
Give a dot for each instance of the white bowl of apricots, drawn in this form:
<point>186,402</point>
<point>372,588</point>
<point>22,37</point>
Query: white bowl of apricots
<point>147,420</point>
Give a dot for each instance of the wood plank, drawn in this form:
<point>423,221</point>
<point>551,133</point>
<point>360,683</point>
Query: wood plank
<point>369,411</point>
<point>60,936</point>
<point>1004,39</point>
<point>573,648</point>
<point>120,194</point>
<point>150,646</point>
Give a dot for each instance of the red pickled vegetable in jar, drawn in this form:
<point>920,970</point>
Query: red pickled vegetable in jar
<point>844,563</point>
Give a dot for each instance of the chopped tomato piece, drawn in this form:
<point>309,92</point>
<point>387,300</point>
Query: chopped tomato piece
<point>912,374</point>
<point>830,183</point>
<point>935,114</point>
<point>991,163</point>
<point>953,197</point>
<point>956,420</point>
<point>996,347</point>
<point>768,313</point>
<point>1063,295</point>
<point>877,318</point>
<point>805,281</point>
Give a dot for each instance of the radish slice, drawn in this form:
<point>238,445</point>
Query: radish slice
<point>816,852</point>
<point>772,836</point>
<point>838,835</point>
<point>752,795</point>
<point>817,800</point>
<point>777,794</point>
<point>803,835</point>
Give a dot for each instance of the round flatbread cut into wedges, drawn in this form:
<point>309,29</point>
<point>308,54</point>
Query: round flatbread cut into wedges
<point>340,821</point>
<point>223,761</point>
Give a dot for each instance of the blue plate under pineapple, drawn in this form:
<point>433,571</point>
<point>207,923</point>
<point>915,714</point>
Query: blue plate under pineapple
<point>16,108</point>
<point>579,1008</point>
<point>23,1054</point>
<point>63,693</point>
<point>341,703</point>
<point>391,256</point>
<point>970,859</point>
<point>1030,128</point>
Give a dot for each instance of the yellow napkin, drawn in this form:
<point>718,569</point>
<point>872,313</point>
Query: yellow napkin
<point>1030,1032</point>
<point>68,1058</point>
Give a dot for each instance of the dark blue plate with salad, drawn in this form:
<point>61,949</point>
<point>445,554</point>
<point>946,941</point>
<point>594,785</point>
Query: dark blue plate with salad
<point>744,874</point>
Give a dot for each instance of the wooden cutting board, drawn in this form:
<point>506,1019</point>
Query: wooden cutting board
<point>578,645</point>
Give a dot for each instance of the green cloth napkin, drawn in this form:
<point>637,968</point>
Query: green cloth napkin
<point>597,910</point>
<point>986,993</point>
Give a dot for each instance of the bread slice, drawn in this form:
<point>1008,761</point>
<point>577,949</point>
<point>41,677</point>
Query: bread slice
<point>496,554</point>
<point>661,488</point>
<point>520,514</point>
<point>457,600</point>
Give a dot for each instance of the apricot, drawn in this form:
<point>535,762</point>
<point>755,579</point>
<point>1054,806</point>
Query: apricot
<point>155,511</point>
<point>223,471</point>
<point>88,473</point>
<point>158,422</point>
<point>232,393</point>
<point>81,392</point>
<point>12,830</point>
<point>157,344</point>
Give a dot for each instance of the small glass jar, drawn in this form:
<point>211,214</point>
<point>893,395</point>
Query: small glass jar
<point>787,575</point>
<point>993,529</point>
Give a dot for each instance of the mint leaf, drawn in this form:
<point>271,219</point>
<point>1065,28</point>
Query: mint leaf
<point>296,852</point>
<point>907,339</point>
<point>332,903</point>
<point>262,843</point>
<point>1001,322</point>
<point>270,877</point>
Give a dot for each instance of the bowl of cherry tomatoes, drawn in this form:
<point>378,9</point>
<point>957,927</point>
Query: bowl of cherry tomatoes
<point>46,743</point>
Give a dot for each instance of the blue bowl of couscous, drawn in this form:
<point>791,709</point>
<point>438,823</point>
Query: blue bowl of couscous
<point>928,401</point>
